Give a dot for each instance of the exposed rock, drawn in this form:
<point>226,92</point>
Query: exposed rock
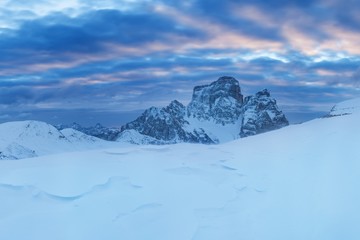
<point>260,114</point>
<point>167,124</point>
<point>217,113</point>
<point>220,101</point>
<point>214,110</point>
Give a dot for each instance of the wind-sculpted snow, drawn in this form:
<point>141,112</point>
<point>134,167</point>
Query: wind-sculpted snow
<point>35,192</point>
<point>303,186</point>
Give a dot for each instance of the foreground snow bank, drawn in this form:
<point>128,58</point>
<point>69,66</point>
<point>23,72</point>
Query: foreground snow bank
<point>300,182</point>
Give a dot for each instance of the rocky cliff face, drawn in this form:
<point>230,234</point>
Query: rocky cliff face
<point>261,114</point>
<point>216,113</point>
<point>167,124</point>
<point>220,101</point>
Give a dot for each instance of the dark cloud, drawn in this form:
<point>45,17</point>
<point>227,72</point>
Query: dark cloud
<point>85,117</point>
<point>338,65</point>
<point>40,39</point>
<point>223,12</point>
<point>15,96</point>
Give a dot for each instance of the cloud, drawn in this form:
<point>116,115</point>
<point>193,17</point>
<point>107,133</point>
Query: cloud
<point>15,96</point>
<point>58,38</point>
<point>128,55</point>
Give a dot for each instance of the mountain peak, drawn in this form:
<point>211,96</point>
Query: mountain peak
<point>261,114</point>
<point>219,101</point>
<point>225,80</point>
<point>263,93</point>
<point>216,113</point>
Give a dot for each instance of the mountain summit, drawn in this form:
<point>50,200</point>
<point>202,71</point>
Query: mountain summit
<point>220,101</point>
<point>217,113</point>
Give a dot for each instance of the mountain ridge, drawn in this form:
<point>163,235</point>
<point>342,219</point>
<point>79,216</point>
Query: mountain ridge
<point>24,139</point>
<point>216,113</point>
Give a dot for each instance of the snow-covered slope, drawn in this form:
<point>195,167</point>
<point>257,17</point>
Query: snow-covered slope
<point>134,137</point>
<point>32,138</point>
<point>347,107</point>
<point>299,182</point>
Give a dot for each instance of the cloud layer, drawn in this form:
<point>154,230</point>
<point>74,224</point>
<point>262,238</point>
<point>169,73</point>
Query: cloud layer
<point>129,55</point>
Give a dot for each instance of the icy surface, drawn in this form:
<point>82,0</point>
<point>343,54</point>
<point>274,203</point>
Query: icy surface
<point>299,182</point>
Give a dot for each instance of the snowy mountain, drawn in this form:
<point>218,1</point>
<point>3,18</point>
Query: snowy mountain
<point>219,102</point>
<point>299,182</point>
<point>32,138</point>
<point>217,113</point>
<point>167,125</point>
<point>261,114</point>
<point>99,131</point>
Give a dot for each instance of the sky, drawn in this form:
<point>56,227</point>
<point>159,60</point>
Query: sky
<point>106,61</point>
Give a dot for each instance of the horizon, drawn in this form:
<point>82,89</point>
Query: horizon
<point>89,62</point>
<point>88,118</point>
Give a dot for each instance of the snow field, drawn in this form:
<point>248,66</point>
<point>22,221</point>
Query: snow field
<point>299,182</point>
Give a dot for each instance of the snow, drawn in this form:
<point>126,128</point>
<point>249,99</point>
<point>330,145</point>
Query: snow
<point>216,131</point>
<point>347,107</point>
<point>134,137</point>
<point>23,139</point>
<point>299,182</point>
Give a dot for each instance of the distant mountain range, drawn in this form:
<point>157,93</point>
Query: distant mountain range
<point>217,113</point>
<point>99,131</point>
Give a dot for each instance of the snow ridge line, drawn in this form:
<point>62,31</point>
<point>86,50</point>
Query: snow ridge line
<point>39,193</point>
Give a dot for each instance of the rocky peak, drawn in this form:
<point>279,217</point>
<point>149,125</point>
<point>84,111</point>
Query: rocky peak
<point>263,93</point>
<point>217,112</point>
<point>74,125</point>
<point>219,101</point>
<point>260,114</point>
<point>176,109</point>
<point>99,126</point>
<point>166,124</point>
<point>226,86</point>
